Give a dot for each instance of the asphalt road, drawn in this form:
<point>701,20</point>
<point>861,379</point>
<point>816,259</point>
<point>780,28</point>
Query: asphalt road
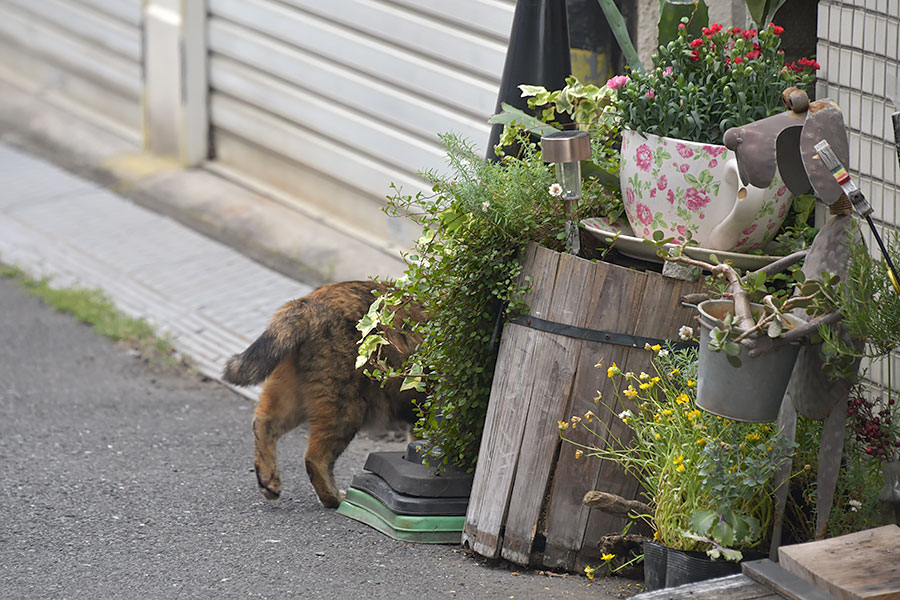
<point>122,479</point>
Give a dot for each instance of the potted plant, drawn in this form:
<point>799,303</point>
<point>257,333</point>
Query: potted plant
<point>707,479</point>
<point>675,175</point>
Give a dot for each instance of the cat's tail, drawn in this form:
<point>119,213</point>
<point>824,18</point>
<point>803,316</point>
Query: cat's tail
<point>284,334</point>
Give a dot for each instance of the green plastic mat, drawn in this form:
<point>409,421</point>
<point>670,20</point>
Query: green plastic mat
<point>365,508</point>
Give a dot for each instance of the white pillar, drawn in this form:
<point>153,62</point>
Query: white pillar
<point>175,82</point>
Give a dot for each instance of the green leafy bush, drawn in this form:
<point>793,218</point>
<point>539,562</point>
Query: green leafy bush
<point>464,272</point>
<point>702,86</point>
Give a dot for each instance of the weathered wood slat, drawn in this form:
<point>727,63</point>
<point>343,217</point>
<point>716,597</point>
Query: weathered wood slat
<point>615,293</point>
<point>858,566</point>
<point>526,483</point>
<point>785,583</point>
<point>733,587</point>
<point>505,420</point>
<point>555,359</point>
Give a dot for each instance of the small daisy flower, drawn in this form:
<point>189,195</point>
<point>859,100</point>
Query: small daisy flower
<point>685,333</point>
<point>555,190</point>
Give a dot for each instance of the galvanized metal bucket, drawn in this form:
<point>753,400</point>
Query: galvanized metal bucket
<point>751,392</point>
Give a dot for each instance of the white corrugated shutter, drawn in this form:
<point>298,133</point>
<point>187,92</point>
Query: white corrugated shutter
<point>333,101</point>
<point>85,51</point>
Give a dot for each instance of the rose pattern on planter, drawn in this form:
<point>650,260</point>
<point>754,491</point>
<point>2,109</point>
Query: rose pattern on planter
<point>678,186</point>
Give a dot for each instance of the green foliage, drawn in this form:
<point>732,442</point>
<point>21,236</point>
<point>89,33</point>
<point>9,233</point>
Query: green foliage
<point>763,11</point>
<point>855,500</point>
<point>708,479</point>
<point>464,272</point>
<point>90,306</point>
<point>620,31</point>
<point>702,86</point>
<point>671,13</point>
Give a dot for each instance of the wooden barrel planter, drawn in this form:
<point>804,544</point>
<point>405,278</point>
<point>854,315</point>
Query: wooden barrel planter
<point>526,502</point>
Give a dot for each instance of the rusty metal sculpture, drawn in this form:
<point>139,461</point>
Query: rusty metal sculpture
<point>787,141</point>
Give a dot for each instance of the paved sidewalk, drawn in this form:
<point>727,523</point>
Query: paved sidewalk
<point>209,298</point>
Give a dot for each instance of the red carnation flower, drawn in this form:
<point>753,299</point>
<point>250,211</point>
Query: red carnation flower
<point>696,43</point>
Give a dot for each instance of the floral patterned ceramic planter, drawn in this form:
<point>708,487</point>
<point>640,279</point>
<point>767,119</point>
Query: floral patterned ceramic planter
<point>677,186</point>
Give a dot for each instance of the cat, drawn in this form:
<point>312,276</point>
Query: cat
<point>306,359</point>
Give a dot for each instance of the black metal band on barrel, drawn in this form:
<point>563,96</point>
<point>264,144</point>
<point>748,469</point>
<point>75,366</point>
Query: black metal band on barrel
<point>592,335</point>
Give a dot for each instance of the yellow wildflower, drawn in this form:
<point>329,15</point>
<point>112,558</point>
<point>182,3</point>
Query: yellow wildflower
<point>694,414</point>
<point>678,459</point>
<point>656,536</point>
<point>645,386</point>
<point>613,371</point>
<point>682,398</point>
<point>655,380</point>
<point>575,421</point>
<point>563,425</point>
<point>629,375</point>
<point>643,376</point>
<point>691,383</point>
<point>674,372</point>
<point>630,392</point>
<point>752,436</point>
<point>648,347</point>
<point>598,397</point>
<point>666,411</point>
<point>579,453</point>
<point>679,468</point>
<point>607,557</point>
<point>656,436</point>
<point>589,571</point>
<point>589,416</point>
<point>701,440</point>
<point>656,347</point>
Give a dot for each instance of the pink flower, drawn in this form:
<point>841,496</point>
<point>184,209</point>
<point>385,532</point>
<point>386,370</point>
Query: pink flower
<point>670,197</point>
<point>662,182</point>
<point>643,214</point>
<point>713,163</point>
<point>643,157</point>
<point>684,168</point>
<point>781,210</point>
<point>694,199</point>
<point>714,151</point>
<point>651,94</point>
<point>681,230</point>
<point>667,71</point>
<point>684,151</point>
<point>653,192</point>
<point>781,191</point>
<point>742,242</point>
<point>629,195</point>
<point>616,82</point>
<point>750,229</point>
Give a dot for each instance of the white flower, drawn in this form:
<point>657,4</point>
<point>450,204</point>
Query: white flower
<point>555,190</point>
<point>855,505</point>
<point>662,353</point>
<point>625,414</point>
<point>685,333</point>
<point>485,205</point>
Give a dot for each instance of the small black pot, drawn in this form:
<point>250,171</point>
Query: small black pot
<point>683,566</point>
<point>655,559</point>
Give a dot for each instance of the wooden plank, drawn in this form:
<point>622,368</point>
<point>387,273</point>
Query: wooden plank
<point>554,367</point>
<point>733,587</point>
<point>658,314</point>
<point>614,292</point>
<point>785,583</point>
<point>862,565</point>
<point>506,414</point>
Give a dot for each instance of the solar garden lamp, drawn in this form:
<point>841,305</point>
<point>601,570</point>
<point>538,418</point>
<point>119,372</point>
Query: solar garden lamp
<point>566,150</point>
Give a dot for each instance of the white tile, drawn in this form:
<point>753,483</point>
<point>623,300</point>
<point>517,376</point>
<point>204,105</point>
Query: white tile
<point>864,153</point>
<point>857,29</point>
<point>856,60</point>
<point>854,111</point>
<point>880,38</point>
<point>822,20</point>
<point>891,39</point>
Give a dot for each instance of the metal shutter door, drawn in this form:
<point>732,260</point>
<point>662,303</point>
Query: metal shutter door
<point>85,51</point>
<point>333,101</point>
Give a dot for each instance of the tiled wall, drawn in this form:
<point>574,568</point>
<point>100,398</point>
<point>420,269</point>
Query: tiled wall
<point>859,50</point>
